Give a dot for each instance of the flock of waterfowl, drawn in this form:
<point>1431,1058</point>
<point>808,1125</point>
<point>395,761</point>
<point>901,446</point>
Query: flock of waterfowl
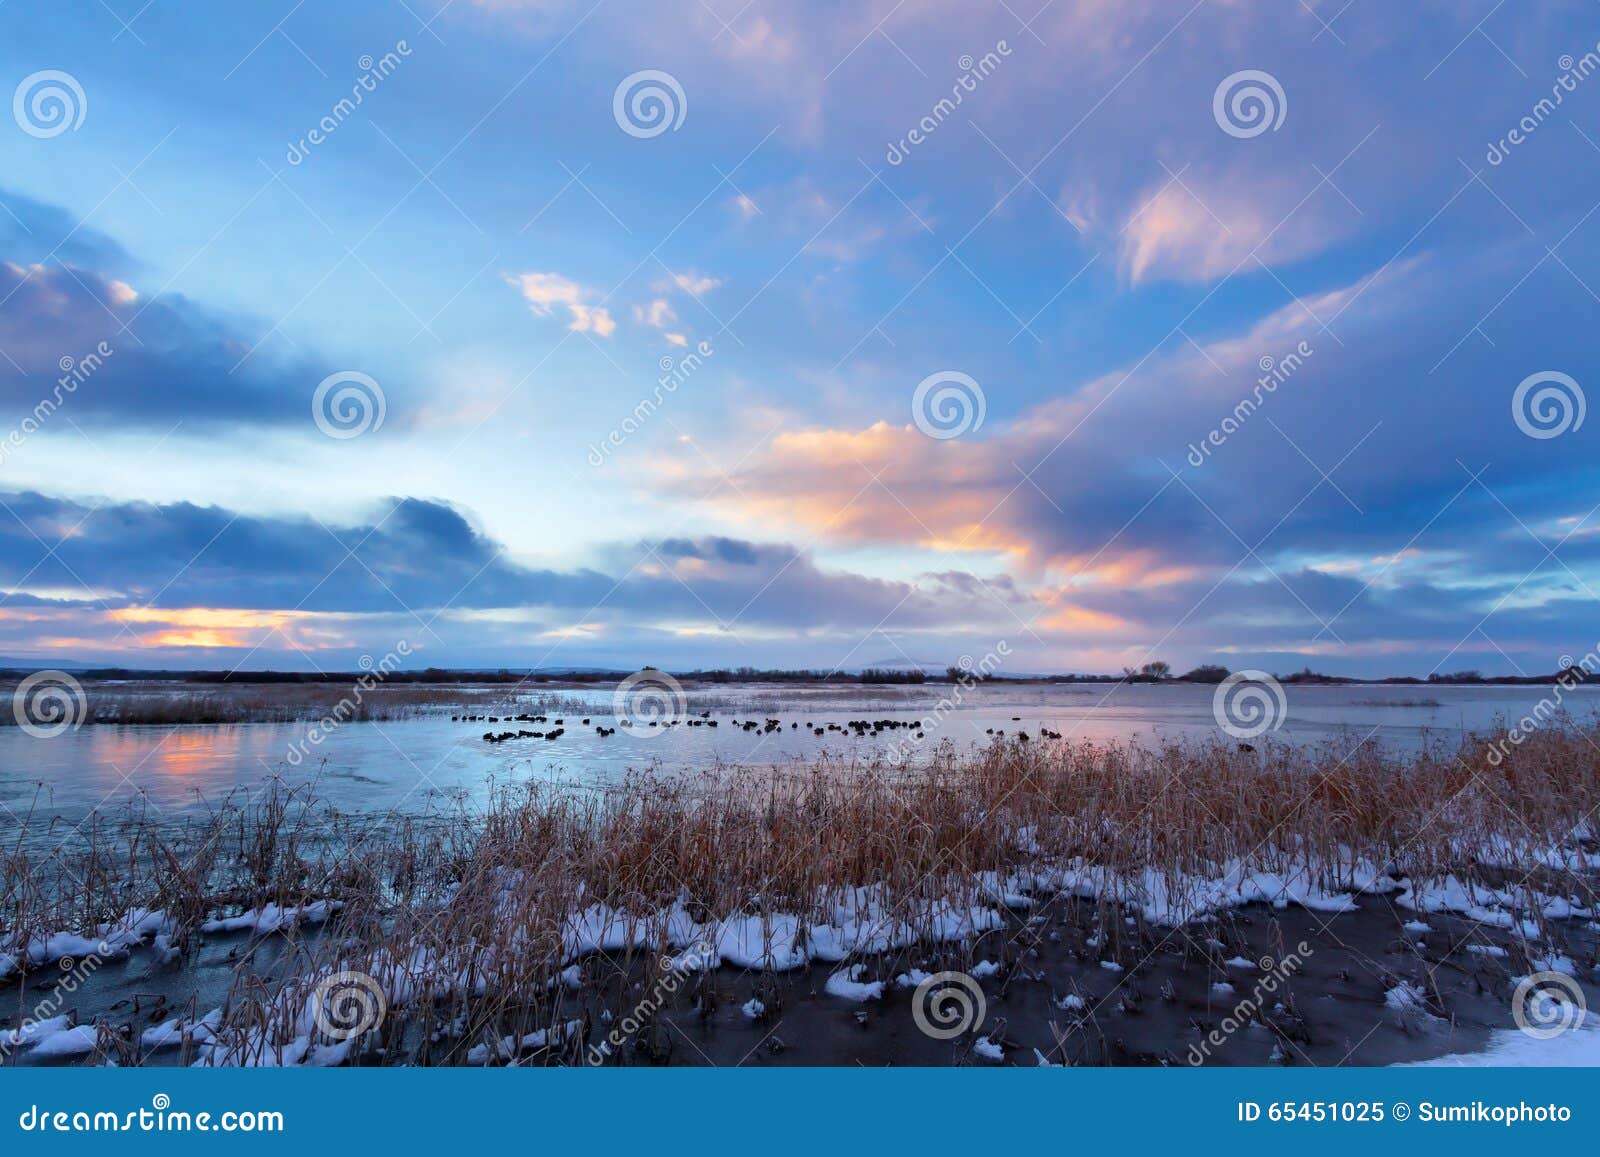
<point>555,732</point>
<point>860,728</point>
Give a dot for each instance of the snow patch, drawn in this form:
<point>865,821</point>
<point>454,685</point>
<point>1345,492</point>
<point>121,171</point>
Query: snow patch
<point>848,984</point>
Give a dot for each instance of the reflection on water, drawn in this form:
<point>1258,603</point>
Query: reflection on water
<point>410,765</point>
<point>181,752</point>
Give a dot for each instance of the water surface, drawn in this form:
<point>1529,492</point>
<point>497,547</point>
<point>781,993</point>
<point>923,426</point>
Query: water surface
<point>413,765</point>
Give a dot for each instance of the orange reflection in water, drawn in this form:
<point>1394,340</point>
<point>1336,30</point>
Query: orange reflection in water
<point>143,753</point>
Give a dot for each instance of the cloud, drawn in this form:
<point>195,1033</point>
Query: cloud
<point>691,282</point>
<point>127,358</point>
<point>180,584</point>
<point>32,232</point>
<point>545,292</point>
<point>596,319</point>
<point>1064,507</point>
<point>1336,504</point>
<point>847,223</point>
<point>210,571</point>
<point>1197,228</point>
<point>658,313</point>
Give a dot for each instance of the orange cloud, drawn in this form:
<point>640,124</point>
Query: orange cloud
<point>1135,570</point>
<point>1077,619</point>
<point>880,484</point>
<point>208,637</point>
<point>229,627</point>
<point>207,617</point>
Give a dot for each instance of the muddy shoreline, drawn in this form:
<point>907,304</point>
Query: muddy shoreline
<point>1330,1007</point>
<point>1302,988</point>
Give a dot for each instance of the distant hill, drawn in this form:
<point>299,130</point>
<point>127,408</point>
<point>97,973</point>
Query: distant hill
<point>13,663</point>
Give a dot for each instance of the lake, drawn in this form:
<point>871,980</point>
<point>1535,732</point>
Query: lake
<point>416,764</point>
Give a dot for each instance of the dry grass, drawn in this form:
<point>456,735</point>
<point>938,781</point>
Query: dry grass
<point>485,897</point>
<point>175,704</point>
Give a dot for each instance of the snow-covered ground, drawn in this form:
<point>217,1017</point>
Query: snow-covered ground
<point>1579,1048</point>
<point>855,923</point>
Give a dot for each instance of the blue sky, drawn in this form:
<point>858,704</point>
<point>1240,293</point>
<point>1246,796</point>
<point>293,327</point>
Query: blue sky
<point>1093,241</point>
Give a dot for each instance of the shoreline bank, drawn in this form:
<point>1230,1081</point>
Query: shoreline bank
<point>1054,863</point>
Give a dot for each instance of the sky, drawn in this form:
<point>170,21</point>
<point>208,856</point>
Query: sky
<point>800,334</point>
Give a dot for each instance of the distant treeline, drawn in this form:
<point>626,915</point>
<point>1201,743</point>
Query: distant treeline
<point>512,675</point>
<point>426,675</point>
<point>1155,672</point>
<point>1159,672</point>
